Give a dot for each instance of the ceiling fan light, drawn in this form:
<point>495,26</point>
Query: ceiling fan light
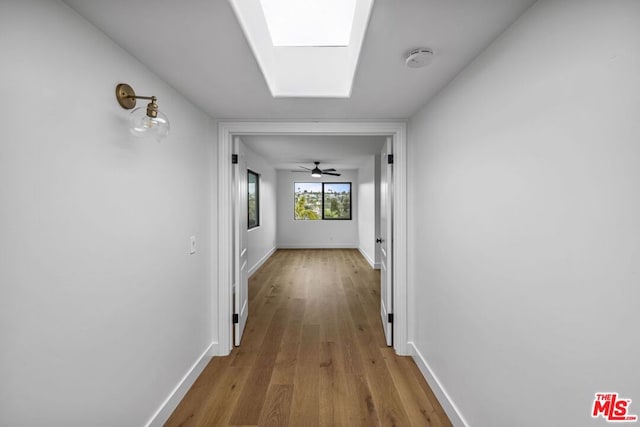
<point>316,172</point>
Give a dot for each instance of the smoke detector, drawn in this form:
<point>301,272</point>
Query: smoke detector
<point>419,58</point>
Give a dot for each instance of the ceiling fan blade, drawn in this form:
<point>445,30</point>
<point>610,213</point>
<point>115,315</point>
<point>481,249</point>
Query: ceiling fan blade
<point>300,171</point>
<point>329,170</point>
<point>304,168</point>
<point>331,173</point>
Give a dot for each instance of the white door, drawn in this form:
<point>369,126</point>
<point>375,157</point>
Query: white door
<point>386,241</point>
<point>241,276</point>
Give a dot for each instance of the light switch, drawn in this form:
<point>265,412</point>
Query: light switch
<point>193,245</point>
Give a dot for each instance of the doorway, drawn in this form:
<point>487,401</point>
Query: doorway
<point>226,131</point>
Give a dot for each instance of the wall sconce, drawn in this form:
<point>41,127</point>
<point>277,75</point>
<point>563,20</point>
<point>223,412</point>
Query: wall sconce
<point>144,121</point>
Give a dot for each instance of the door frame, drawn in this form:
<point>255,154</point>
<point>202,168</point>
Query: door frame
<point>223,288</point>
<point>240,249</point>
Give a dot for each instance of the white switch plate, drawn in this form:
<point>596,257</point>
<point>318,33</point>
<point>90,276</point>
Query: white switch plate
<point>193,245</point>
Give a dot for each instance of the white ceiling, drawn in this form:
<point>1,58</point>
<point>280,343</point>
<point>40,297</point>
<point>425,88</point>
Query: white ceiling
<point>198,47</point>
<point>290,152</point>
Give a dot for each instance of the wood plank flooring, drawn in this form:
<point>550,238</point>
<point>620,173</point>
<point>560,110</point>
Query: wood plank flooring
<point>313,354</point>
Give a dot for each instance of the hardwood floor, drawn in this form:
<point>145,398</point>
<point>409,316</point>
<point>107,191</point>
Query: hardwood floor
<point>313,354</point>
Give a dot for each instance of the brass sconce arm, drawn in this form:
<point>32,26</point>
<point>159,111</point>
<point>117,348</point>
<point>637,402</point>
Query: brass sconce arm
<point>126,97</point>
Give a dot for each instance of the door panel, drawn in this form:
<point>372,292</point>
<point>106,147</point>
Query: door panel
<point>386,242</point>
<point>241,276</point>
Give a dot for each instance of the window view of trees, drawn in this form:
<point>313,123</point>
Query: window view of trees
<point>315,200</point>
<point>337,200</point>
<point>253,199</point>
<point>308,200</point>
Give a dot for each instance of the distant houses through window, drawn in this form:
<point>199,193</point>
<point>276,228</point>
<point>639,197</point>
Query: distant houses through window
<point>322,200</point>
<point>253,199</point>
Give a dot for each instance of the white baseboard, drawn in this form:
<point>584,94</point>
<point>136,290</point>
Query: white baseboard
<point>449,407</point>
<point>261,261</point>
<point>214,349</point>
<point>171,403</point>
<point>368,258</point>
<point>317,246</point>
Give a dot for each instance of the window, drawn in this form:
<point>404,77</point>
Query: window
<point>309,23</point>
<point>284,34</point>
<point>318,201</point>
<point>336,200</point>
<point>253,199</point>
<point>307,200</point>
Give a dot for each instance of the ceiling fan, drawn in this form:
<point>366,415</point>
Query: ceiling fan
<point>316,172</point>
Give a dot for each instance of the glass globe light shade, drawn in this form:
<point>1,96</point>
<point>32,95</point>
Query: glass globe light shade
<point>141,125</point>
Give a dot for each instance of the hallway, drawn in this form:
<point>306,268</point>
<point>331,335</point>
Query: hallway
<point>313,353</point>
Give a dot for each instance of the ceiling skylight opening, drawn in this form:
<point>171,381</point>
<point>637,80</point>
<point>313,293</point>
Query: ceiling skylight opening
<point>305,48</point>
<point>317,23</point>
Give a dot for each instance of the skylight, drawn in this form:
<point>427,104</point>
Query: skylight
<point>305,48</point>
<point>309,22</point>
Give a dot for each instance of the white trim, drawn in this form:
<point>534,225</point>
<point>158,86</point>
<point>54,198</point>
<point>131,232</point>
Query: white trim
<point>225,239</point>
<point>213,349</point>
<point>368,258</point>
<point>226,131</point>
<point>454,414</point>
<point>399,243</point>
<point>261,261</point>
<point>317,245</point>
<point>171,402</point>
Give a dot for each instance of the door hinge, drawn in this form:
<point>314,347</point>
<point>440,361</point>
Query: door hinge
<point>234,159</point>
<point>235,318</point>
<point>390,317</point>
<point>390,159</point>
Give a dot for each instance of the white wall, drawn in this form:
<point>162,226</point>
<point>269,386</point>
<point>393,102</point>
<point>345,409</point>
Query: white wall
<point>315,234</point>
<point>367,213</point>
<point>524,220</point>
<point>102,309</point>
<point>262,239</point>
